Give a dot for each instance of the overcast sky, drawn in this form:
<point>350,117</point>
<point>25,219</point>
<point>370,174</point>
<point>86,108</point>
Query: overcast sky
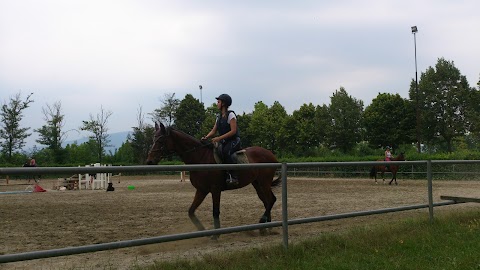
<point>123,54</point>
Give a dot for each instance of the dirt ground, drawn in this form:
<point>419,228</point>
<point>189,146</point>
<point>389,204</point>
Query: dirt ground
<point>158,206</point>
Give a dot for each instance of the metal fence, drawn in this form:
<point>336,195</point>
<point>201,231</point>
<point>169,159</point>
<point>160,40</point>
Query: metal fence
<point>284,167</point>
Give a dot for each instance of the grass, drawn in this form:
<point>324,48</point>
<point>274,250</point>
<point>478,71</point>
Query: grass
<point>451,242</point>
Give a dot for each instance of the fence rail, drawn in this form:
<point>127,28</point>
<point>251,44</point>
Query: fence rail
<point>175,237</point>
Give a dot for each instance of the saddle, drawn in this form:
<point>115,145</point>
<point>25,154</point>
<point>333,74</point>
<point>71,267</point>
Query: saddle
<point>239,157</point>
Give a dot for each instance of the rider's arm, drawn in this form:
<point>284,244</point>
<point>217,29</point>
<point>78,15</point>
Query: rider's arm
<point>211,133</point>
<point>233,129</point>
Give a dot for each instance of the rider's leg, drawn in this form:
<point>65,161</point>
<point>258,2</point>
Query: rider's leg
<point>232,177</point>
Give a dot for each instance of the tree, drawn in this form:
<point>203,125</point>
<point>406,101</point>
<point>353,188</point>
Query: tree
<point>289,139</point>
<point>443,95</point>
<point>51,134</point>
<point>322,122</point>
<point>82,154</point>
<point>243,121</point>
<point>12,134</point>
<point>306,130</point>
<point>258,126</point>
<point>209,120</point>
<point>141,139</point>
<point>125,154</point>
<point>472,114</point>
<point>346,113</point>
<point>190,115</point>
<point>166,113</point>
<point>98,126</point>
<point>389,121</point>
<point>265,126</point>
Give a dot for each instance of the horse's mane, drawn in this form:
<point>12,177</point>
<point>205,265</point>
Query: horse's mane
<point>190,137</point>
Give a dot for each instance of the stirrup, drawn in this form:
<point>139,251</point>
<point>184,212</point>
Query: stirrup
<point>231,180</point>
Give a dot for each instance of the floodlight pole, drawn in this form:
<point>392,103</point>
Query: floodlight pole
<point>417,109</point>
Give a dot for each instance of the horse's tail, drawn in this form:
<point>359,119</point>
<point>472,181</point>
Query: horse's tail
<point>373,171</point>
<point>277,182</point>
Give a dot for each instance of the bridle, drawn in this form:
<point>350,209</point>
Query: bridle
<point>162,146</point>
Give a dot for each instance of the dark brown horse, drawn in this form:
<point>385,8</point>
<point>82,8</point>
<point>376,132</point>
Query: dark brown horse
<point>383,168</point>
<point>170,141</point>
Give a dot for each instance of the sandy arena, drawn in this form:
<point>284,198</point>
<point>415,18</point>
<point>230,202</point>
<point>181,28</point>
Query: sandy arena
<point>158,206</point>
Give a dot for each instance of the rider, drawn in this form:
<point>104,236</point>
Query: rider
<point>228,134</point>
<point>33,163</point>
<point>388,155</point>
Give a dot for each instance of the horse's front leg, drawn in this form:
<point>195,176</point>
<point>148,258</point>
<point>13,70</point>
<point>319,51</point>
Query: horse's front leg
<point>393,178</point>
<point>216,194</point>
<point>199,197</point>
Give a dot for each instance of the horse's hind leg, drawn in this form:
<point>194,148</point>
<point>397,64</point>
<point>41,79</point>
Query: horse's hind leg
<point>268,198</point>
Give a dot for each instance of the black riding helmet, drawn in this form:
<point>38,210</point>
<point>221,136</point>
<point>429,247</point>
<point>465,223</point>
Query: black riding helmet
<point>226,99</point>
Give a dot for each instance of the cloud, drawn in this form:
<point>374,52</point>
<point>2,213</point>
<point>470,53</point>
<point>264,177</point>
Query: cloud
<point>126,54</point>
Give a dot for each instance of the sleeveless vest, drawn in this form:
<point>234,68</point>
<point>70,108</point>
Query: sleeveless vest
<point>224,127</point>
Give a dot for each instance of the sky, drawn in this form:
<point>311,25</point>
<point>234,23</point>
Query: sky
<point>123,55</point>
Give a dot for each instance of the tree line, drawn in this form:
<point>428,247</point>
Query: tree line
<point>440,115</point>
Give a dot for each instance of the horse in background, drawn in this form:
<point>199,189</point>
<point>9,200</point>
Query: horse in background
<point>393,168</point>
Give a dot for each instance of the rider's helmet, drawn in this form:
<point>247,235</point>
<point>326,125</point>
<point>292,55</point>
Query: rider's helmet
<point>226,99</point>
<point>388,148</point>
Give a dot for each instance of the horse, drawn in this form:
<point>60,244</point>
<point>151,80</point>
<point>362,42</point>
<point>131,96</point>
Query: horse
<point>383,168</point>
<point>169,141</point>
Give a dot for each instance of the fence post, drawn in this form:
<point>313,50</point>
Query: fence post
<point>284,205</point>
<point>430,190</point>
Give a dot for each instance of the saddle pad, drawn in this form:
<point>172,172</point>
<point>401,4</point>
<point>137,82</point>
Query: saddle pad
<point>239,157</point>
<point>216,153</point>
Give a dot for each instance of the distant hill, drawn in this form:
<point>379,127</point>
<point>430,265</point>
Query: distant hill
<point>116,140</point>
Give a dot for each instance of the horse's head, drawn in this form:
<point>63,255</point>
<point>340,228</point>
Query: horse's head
<point>161,146</point>
<point>401,157</point>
